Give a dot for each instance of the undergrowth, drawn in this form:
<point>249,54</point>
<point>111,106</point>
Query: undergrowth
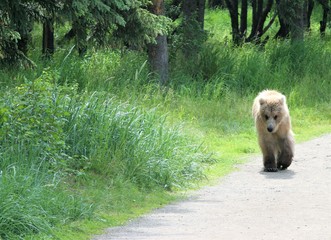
<point>54,135</point>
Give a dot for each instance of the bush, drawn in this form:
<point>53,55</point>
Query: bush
<point>32,117</point>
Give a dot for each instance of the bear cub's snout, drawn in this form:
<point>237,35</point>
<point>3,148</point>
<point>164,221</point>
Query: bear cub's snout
<point>270,129</point>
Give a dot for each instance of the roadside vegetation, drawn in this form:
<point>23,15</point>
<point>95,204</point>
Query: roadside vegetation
<point>90,142</point>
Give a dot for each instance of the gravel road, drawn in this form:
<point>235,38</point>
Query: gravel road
<point>249,204</point>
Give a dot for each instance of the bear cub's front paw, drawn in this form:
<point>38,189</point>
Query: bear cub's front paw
<point>270,169</point>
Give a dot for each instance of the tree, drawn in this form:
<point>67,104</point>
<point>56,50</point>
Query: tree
<point>15,26</point>
<point>291,15</point>
<point>295,17</point>
<point>194,10</point>
<point>95,22</point>
<point>48,38</point>
<point>323,22</point>
<point>192,27</point>
<point>260,11</point>
<point>297,26</point>
<point>158,51</point>
<point>283,31</point>
<point>119,23</point>
<point>16,23</point>
<point>326,9</point>
<point>92,21</point>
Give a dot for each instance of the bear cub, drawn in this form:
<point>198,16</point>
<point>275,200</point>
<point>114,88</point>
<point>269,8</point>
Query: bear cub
<point>273,125</point>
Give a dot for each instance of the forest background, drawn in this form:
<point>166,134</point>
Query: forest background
<point>111,108</point>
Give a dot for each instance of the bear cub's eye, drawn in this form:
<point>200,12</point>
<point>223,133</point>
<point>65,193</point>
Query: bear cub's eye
<point>266,117</point>
<point>275,117</point>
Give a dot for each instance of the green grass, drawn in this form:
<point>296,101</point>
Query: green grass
<point>88,143</point>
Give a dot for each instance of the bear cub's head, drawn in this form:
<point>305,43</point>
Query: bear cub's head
<point>272,111</point>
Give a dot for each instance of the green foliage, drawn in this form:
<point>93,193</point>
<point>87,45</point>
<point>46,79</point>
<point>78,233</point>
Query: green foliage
<point>123,141</point>
<point>32,118</point>
<point>188,39</point>
<point>288,9</point>
<point>80,132</point>
<point>16,23</point>
<point>249,69</point>
<point>127,72</point>
<point>95,23</point>
<point>51,132</point>
<point>32,202</point>
<point>109,21</point>
<point>141,28</point>
<point>33,115</point>
<point>7,34</point>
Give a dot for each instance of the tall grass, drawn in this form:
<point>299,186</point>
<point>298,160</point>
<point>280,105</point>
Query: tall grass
<point>124,141</point>
<point>32,199</point>
<point>249,69</point>
<point>53,133</point>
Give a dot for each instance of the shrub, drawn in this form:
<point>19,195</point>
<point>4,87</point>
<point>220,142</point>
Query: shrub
<point>32,117</point>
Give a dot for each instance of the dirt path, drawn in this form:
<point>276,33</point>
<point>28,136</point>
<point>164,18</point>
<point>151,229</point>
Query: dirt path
<point>249,204</point>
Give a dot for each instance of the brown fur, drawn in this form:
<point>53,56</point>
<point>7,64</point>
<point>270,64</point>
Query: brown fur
<point>273,125</point>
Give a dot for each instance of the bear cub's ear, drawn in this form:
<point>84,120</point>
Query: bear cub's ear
<point>282,100</point>
<point>262,101</point>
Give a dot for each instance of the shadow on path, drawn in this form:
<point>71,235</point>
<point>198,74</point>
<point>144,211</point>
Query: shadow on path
<point>283,174</point>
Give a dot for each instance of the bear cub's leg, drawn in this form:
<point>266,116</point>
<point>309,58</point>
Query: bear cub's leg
<point>270,164</point>
<point>286,154</point>
<point>269,161</point>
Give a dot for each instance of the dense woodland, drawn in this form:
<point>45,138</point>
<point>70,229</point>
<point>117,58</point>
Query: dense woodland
<point>145,25</point>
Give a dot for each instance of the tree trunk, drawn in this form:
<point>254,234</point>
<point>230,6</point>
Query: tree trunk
<point>263,17</point>
<point>158,53</point>
<point>194,10</point>
<point>201,13</point>
<point>233,9</point>
<point>310,6</point>
<point>22,43</point>
<point>48,38</point>
<point>259,17</point>
<point>255,18</point>
<point>192,27</point>
<point>79,26</point>
<point>323,23</point>
<point>284,29</point>
<point>297,24</point>
<point>243,18</point>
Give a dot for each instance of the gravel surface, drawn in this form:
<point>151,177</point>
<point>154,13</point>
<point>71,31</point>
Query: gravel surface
<point>249,204</point>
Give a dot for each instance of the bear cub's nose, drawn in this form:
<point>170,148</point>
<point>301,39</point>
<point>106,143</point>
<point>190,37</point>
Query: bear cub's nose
<point>270,129</point>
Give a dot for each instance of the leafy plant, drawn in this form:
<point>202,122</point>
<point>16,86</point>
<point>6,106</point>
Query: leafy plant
<point>33,116</point>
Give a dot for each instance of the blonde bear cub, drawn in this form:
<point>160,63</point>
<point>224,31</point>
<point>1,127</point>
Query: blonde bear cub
<point>273,125</point>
